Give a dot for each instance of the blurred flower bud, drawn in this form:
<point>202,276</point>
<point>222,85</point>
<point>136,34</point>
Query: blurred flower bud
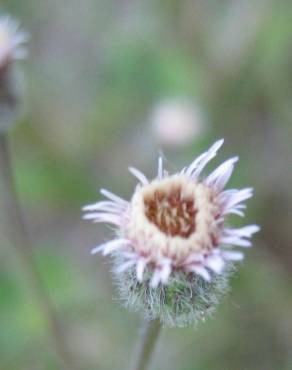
<point>11,86</point>
<point>176,122</point>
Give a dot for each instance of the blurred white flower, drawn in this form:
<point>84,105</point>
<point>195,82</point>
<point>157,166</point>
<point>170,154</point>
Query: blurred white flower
<point>176,122</point>
<point>11,41</point>
<point>176,222</point>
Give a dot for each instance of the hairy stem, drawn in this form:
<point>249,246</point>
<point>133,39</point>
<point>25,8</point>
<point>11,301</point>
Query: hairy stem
<point>20,238</point>
<point>144,350</point>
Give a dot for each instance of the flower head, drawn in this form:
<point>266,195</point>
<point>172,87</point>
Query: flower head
<point>11,41</point>
<point>174,227</point>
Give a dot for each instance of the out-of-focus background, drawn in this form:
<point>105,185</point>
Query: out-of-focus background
<point>111,84</point>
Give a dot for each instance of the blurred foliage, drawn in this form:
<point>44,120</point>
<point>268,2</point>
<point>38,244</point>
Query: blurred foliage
<point>96,70</point>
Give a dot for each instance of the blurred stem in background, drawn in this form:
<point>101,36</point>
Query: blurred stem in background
<point>19,237</point>
<point>145,347</point>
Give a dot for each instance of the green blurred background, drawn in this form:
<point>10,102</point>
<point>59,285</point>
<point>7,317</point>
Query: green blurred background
<point>97,70</point>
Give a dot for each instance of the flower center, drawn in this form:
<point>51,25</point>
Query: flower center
<point>173,217</point>
<point>173,212</point>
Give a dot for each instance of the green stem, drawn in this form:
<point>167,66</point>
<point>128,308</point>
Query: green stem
<point>20,238</point>
<point>144,350</point>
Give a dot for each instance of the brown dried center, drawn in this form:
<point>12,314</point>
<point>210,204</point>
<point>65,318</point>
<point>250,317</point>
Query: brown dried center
<point>171,213</point>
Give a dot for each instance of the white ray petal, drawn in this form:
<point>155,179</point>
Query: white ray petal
<point>233,211</point>
<point>188,170</point>
<point>232,256</point>
<point>105,217</point>
<point>199,163</point>
<point>245,231</point>
<point>193,259</point>
<point>160,168</point>
<point>183,171</point>
<point>220,176</point>
<point>238,197</point>
<point>130,255</point>
<point>125,266</point>
<point>227,194</point>
<point>97,249</point>
<point>201,271</point>
<point>115,245</point>
<point>140,267</point>
<point>94,215</point>
<point>103,205</point>
<point>237,210</point>
<point>165,271</point>
<point>215,263</point>
<point>139,175</point>
<point>240,206</point>
<point>235,241</point>
<point>155,280</point>
<point>113,197</point>
<point>102,217</point>
<point>111,246</point>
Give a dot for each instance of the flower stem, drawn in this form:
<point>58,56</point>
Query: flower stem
<point>144,350</point>
<point>20,239</point>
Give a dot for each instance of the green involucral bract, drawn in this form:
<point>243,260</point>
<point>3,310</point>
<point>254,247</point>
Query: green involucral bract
<point>186,300</point>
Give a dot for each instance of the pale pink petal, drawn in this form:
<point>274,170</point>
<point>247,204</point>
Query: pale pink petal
<point>125,266</point>
<point>238,197</point>
<point>245,231</point>
<point>201,271</point>
<point>165,270</point>
<point>234,212</point>
<point>97,215</point>
<point>183,171</point>
<point>104,205</point>
<point>215,263</point>
<point>193,259</point>
<point>111,246</point>
<point>198,165</point>
<point>156,277</point>
<point>235,241</point>
<point>220,176</point>
<point>103,217</point>
<point>226,195</point>
<point>140,267</point>
<point>113,197</point>
<point>160,168</point>
<point>232,255</point>
<point>139,175</point>
<point>97,249</point>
